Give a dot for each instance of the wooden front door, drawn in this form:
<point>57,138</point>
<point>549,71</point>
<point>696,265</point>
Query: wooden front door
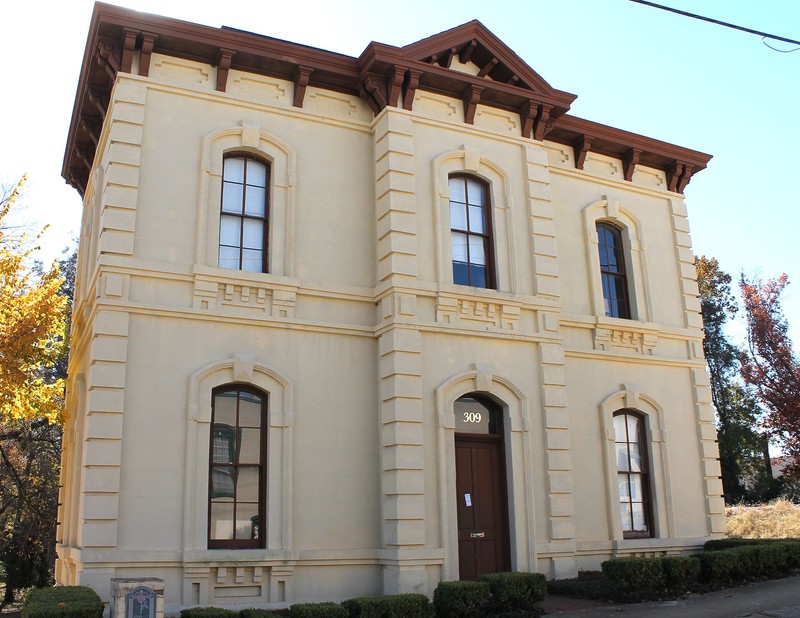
<point>481,504</point>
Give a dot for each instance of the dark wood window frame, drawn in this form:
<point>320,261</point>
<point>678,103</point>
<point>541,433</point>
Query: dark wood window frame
<point>219,470</point>
<point>469,231</point>
<point>626,473</point>
<point>613,272</point>
<point>242,215</point>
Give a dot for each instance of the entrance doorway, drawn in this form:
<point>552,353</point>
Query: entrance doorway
<point>481,495</point>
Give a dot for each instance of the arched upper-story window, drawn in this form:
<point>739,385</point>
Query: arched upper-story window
<point>633,477</point>
<point>237,468</point>
<point>471,232</point>
<point>244,217</point>
<point>612,271</point>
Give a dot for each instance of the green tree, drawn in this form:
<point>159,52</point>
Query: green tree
<point>743,450</point>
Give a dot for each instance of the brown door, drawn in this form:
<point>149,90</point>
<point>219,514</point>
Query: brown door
<point>482,509</point>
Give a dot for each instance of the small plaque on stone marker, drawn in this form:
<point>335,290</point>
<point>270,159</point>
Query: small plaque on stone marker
<point>140,603</point>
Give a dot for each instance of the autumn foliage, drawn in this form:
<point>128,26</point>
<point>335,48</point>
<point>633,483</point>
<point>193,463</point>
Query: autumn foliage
<point>32,325</point>
<point>770,365</point>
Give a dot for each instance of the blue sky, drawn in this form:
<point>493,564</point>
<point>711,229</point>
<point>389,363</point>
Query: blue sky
<point>634,67</point>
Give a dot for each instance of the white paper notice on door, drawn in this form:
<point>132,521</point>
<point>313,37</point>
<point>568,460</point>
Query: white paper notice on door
<point>468,499</point>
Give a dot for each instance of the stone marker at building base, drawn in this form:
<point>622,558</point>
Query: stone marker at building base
<point>137,597</point>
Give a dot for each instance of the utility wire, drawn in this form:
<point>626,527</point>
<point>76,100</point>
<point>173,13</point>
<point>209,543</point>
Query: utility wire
<point>764,35</point>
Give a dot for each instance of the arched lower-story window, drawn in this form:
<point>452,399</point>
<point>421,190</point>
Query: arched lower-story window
<point>244,217</point>
<point>633,477</point>
<point>471,232</point>
<point>237,468</point>
<point>613,273</point>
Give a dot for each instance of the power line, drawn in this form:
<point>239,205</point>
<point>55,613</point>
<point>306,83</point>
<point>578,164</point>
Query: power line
<point>764,35</point>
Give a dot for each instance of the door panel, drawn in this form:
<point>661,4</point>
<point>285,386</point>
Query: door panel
<point>481,506</point>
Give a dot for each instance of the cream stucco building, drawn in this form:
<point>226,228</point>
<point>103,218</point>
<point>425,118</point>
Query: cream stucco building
<point>348,326</point>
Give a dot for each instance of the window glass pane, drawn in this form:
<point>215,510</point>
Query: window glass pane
<point>477,255</point>
<point>233,169</point>
<point>625,516</point>
<point>622,457</point>
<point>619,428</point>
<point>253,237</point>
<point>639,520</point>
<point>246,521</point>
<point>474,192</point>
<point>477,276</point>
<point>232,197</point>
<point>221,482</point>
<point>458,216</point>
<point>460,273</point>
<point>247,485</point>
<point>459,243</point>
<point>222,450</point>
<point>635,457</point>
<point>633,427</point>
<point>250,446</point>
<point>458,190</point>
<point>256,173</point>
<point>255,201</point>
<point>636,488</point>
<point>229,257</point>
<point>252,260</point>
<point>624,488</point>
<point>249,410</point>
<point>225,408</point>
<point>476,219</point>
<point>230,229</point>
<point>221,524</point>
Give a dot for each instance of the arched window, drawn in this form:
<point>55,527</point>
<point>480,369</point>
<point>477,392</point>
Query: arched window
<point>471,233</point>
<point>237,468</point>
<point>243,222</point>
<point>612,271</point>
<point>632,475</point>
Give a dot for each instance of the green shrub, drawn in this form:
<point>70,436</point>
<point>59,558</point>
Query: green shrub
<point>251,612</point>
<point>463,598</point>
<point>679,572</point>
<point>721,567</point>
<point>389,606</point>
<point>208,612</point>
<point>63,602</point>
<point>719,544</point>
<point>635,574</point>
<point>588,585</point>
<point>318,610</point>
<point>516,591</point>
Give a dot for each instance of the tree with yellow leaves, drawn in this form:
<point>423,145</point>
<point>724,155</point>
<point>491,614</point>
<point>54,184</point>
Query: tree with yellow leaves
<point>33,318</point>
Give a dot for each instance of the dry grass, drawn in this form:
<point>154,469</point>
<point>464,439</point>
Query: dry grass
<point>774,520</point>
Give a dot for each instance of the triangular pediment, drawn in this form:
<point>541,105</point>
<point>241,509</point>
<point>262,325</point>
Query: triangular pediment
<point>472,48</point>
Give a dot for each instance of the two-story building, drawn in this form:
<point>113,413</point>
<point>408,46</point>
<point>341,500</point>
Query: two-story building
<point>349,326</point>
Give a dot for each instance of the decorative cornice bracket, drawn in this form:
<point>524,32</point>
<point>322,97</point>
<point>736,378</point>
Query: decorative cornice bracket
<point>396,78</point>
<point>412,82</point>
<point>580,148</point>
<point>128,47</point>
<point>224,58</point>
<point>543,123</point>
<point>471,98</point>
<point>629,161</point>
<point>107,58</point>
<point>301,78</point>
<point>148,43</point>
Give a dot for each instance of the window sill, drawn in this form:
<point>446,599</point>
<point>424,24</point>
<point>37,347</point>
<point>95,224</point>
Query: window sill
<point>243,277</point>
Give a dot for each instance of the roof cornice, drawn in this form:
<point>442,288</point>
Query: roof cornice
<point>383,75</point>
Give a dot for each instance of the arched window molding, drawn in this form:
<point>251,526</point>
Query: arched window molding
<point>606,210</point>
<point>242,369</point>
<point>652,414</point>
<point>248,138</point>
<point>517,438</point>
<point>466,162</point>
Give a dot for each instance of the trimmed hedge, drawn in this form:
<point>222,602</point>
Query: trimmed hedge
<point>516,591</point>
<point>634,573</point>
<point>389,606</point>
<point>62,602</point>
<point>680,571</point>
<point>318,610</point>
<point>460,598</point>
<point>208,612</point>
<point>252,612</point>
<point>719,544</point>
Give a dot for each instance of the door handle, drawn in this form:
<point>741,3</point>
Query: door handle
<point>476,535</point>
